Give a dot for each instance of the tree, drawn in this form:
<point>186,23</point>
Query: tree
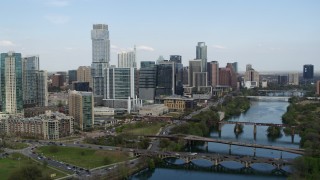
<point>30,172</point>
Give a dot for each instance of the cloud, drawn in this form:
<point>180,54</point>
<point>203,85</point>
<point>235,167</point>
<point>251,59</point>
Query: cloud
<point>6,43</point>
<point>58,3</point>
<point>57,19</point>
<point>145,48</point>
<point>69,48</point>
<point>219,47</point>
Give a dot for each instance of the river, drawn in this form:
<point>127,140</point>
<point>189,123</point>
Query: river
<point>259,112</point>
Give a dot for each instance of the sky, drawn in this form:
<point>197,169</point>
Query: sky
<point>272,35</point>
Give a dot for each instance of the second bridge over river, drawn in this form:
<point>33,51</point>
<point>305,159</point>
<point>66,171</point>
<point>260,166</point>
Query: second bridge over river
<point>190,139</point>
<point>237,125</point>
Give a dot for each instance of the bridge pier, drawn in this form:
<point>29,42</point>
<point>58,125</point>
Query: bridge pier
<point>206,146</point>
<point>219,129</point>
<point>254,131</point>
<point>292,135</point>
<point>254,152</point>
<point>229,149</point>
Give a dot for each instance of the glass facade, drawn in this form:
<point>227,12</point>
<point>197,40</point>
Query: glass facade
<point>11,82</point>
<point>147,80</point>
<point>165,84</point>
<point>72,76</point>
<point>100,56</point>
<point>120,83</point>
<point>87,110</point>
<point>30,70</point>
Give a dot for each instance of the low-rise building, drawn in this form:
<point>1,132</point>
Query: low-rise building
<point>178,103</point>
<point>153,110</point>
<point>50,126</point>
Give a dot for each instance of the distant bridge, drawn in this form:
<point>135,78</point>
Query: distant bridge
<point>269,98</point>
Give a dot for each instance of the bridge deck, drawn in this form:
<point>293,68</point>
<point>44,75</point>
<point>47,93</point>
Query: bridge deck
<point>204,139</point>
<point>215,157</point>
<point>253,123</point>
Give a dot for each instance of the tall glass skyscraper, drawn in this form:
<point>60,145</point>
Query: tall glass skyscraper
<point>147,80</point>
<point>201,53</point>
<point>30,70</point>
<point>100,56</point>
<point>127,59</point>
<point>11,82</point>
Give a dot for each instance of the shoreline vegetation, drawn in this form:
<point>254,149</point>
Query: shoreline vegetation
<point>305,115</point>
<point>206,121</point>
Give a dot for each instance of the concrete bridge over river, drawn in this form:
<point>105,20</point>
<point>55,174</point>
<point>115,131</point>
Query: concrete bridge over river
<point>216,159</point>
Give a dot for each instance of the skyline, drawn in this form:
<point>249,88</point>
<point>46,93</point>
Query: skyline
<point>267,34</point>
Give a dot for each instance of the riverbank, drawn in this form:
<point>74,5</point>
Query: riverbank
<point>305,115</point>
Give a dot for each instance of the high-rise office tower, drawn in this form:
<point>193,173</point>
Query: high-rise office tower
<point>308,71</point>
<point>100,56</point>
<point>127,59</point>
<point>178,74</point>
<point>282,79</point>
<point>30,68</point>
<point>57,80</point>
<point>81,108</point>
<point>72,74</point>
<point>84,74</point>
<point>63,77</point>
<point>176,58</point>
<point>165,78</point>
<point>42,88</point>
<point>213,73</point>
<point>11,82</point>
<point>201,53</point>
<point>235,67</point>
<point>194,66</point>
<point>120,83</point>
<point>147,80</point>
<point>185,75</point>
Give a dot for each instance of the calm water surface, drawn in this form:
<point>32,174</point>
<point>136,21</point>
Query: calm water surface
<point>260,112</point>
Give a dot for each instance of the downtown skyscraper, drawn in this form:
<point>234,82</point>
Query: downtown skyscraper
<point>11,82</point>
<point>100,56</point>
<point>127,59</point>
<point>201,53</point>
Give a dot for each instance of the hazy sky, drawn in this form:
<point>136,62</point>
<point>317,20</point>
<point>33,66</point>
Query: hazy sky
<point>269,34</point>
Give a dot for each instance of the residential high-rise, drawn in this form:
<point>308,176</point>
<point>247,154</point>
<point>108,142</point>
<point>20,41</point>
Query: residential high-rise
<point>72,74</point>
<point>235,67</point>
<point>57,80</point>
<point>100,56</point>
<point>234,78</point>
<point>127,59</point>
<point>11,82</point>
<point>147,80</point>
<point>200,79</point>
<point>225,76</point>
<point>42,88</point>
<point>201,53</point>
<point>30,68</point>
<point>120,83</point>
<point>213,73</point>
<point>84,74</point>
<point>81,108</point>
<point>251,77</point>
<point>294,79</point>
<point>308,71</point>
<point>176,58</point>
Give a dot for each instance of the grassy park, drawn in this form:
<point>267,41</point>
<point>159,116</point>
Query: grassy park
<point>13,162</point>
<point>86,158</point>
<point>141,128</point>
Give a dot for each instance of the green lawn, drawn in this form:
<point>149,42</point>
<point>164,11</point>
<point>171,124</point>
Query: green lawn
<point>87,158</point>
<point>14,161</point>
<point>144,129</point>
